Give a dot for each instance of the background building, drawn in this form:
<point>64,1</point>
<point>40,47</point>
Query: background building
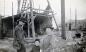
<point>40,23</point>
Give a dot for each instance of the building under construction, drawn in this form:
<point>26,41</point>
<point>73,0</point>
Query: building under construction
<point>41,20</point>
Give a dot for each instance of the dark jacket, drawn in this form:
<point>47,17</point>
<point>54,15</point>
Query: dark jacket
<point>19,34</point>
<point>35,49</point>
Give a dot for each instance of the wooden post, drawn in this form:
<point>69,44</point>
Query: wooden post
<point>0,26</point>
<point>28,18</point>
<point>63,19</point>
<point>4,8</point>
<point>13,18</point>
<point>18,10</point>
<point>32,19</point>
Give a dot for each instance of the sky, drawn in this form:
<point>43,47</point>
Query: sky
<point>79,5</point>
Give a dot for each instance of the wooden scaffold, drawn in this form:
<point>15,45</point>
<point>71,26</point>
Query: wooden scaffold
<point>27,10</point>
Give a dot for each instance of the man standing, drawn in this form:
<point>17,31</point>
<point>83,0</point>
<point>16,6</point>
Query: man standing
<point>19,36</point>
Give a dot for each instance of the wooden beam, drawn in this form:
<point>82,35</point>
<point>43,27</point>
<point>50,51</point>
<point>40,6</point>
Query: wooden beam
<point>32,20</point>
<point>37,9</point>
<point>55,20</point>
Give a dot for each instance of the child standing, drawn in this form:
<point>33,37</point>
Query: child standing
<point>36,46</point>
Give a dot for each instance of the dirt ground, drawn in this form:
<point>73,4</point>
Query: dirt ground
<point>61,45</point>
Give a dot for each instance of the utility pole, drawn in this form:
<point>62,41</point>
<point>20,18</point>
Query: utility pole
<point>70,20</point>
<point>76,19</point>
<point>63,19</point>
<point>70,17</point>
<point>32,19</point>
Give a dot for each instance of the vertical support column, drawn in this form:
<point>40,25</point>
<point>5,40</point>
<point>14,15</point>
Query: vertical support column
<point>0,26</point>
<point>28,24</point>
<point>4,8</point>
<point>18,10</point>
<point>63,19</point>
<point>32,19</point>
<point>13,19</point>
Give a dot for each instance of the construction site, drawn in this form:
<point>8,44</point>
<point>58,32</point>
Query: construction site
<point>38,24</point>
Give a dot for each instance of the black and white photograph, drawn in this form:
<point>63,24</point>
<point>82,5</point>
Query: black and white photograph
<point>42,25</point>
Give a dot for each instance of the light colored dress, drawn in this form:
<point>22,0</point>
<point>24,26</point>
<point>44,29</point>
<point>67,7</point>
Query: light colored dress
<point>48,42</point>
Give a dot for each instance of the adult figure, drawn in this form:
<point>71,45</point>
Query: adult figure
<point>19,36</point>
